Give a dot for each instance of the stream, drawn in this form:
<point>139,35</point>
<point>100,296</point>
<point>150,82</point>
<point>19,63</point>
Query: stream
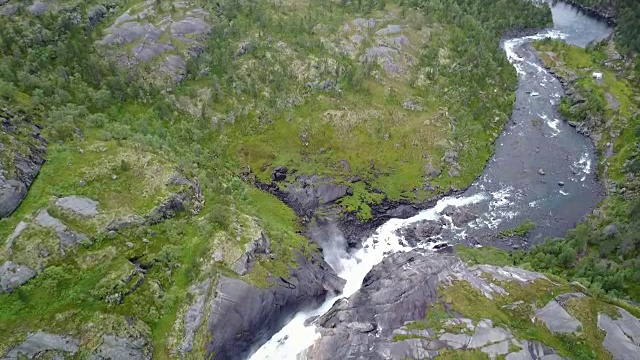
<point>542,170</point>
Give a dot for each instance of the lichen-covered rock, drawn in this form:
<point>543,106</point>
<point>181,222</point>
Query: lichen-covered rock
<point>68,238</point>
<point>145,34</point>
<point>13,275</point>
<point>254,248</point>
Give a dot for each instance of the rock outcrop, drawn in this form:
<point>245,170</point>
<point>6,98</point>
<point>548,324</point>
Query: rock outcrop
<point>41,343</point>
<point>78,205</point>
<point>308,193</point>
<point>623,335</point>
<point>386,318</point>
<point>147,34</point>
<point>242,315</point>
<point>115,347</point>
<point>22,154</point>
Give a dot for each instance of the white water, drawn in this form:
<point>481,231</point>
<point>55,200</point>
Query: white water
<point>295,337</point>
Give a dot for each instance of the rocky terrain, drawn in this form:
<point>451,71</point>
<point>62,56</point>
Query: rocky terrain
<point>422,305</point>
<point>175,174</point>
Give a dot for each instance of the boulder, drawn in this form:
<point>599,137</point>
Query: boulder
<point>461,215</point>
<point>243,316</point>
<point>279,173</point>
<point>14,235</point>
<point>421,231</point>
<point>78,205</point>
<point>610,230</point>
<point>13,275</point>
<point>39,343</point>
<point>126,222</point>
<point>95,14</point>
<point>11,194</point>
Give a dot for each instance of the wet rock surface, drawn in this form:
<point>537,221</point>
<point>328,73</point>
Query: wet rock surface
<point>421,232</point>
<point>242,315</point>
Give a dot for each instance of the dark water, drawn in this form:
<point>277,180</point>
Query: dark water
<point>537,138</point>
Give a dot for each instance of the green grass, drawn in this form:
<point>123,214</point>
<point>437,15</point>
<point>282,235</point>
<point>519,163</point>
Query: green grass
<point>521,230</point>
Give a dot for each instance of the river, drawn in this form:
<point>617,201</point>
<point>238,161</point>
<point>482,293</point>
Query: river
<point>512,188</point>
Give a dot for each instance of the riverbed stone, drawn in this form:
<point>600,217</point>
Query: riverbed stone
<point>79,205</point>
<point>557,319</point>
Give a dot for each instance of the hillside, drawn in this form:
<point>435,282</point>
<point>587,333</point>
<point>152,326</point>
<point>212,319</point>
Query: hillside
<point>162,162</point>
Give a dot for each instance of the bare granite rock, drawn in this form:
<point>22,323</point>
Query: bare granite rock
<point>39,343</point>
<point>623,335</point>
<point>194,316</point>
